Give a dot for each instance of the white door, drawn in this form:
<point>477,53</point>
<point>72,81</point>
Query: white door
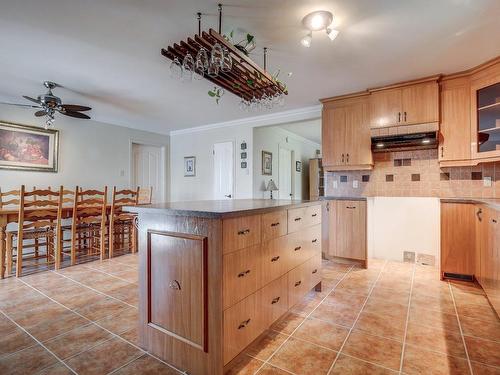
<point>285,174</point>
<point>224,170</point>
<point>148,169</point>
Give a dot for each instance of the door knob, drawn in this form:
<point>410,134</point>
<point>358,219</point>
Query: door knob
<point>228,196</point>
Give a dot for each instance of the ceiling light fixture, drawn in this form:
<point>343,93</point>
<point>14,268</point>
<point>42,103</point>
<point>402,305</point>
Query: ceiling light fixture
<point>316,21</point>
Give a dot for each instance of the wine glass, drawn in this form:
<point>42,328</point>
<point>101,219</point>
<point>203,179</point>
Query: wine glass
<point>176,68</point>
<point>217,55</point>
<point>213,69</point>
<point>187,68</point>
<point>202,59</point>
<point>227,60</point>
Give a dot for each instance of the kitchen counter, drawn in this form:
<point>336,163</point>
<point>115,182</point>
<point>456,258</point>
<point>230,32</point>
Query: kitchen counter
<point>221,208</point>
<point>490,202</point>
<point>362,199</point>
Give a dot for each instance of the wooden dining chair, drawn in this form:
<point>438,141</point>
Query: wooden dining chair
<point>145,195</point>
<point>8,200</point>
<point>88,226</point>
<point>122,230</point>
<point>40,213</point>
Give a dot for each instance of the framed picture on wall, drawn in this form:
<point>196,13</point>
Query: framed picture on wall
<point>267,163</point>
<point>28,148</point>
<point>298,166</point>
<point>189,166</point>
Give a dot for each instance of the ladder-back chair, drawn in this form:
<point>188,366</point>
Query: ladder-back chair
<point>145,195</point>
<point>122,230</point>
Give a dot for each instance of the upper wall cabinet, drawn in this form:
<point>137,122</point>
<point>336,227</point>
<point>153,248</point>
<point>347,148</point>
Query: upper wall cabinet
<point>405,104</point>
<point>346,140</point>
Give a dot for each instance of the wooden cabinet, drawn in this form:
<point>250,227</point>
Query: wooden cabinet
<point>272,300</point>
<point>458,239</point>
<point>346,142</point>
<point>240,232</point>
<point>347,228</point>
<point>316,179</point>
<point>406,104</point>
<point>455,137</point>
<point>274,224</point>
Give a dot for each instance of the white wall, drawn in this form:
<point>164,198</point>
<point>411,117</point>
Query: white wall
<point>397,224</point>
<point>271,139</point>
<point>91,154</point>
<point>200,144</point>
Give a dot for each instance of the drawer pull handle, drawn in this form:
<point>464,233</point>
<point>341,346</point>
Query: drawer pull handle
<point>244,323</point>
<point>298,248</point>
<point>494,220</point>
<point>243,232</point>
<point>242,274</point>
<point>275,300</point>
<point>297,283</point>
<point>174,284</point>
<point>297,219</point>
<point>314,215</point>
<point>315,271</point>
<point>351,207</point>
<point>315,240</point>
<point>275,224</point>
<point>274,259</point>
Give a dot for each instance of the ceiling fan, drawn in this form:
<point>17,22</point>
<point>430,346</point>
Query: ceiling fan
<point>49,104</point>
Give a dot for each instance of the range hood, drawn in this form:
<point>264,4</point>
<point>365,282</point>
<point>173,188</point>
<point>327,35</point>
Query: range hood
<point>405,142</point>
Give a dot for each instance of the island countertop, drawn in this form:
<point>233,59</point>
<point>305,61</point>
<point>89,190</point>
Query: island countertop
<point>220,208</point>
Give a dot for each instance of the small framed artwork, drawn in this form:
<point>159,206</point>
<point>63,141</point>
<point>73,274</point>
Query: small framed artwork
<point>267,163</point>
<point>243,155</point>
<point>298,166</point>
<point>28,148</point>
<point>243,145</point>
<point>243,164</point>
<point>189,166</point>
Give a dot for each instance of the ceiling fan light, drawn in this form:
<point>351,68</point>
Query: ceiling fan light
<point>306,40</point>
<point>332,33</point>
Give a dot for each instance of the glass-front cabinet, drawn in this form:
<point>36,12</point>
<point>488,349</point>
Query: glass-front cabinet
<point>485,115</point>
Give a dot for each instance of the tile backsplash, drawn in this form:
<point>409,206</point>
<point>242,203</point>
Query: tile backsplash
<point>415,173</point>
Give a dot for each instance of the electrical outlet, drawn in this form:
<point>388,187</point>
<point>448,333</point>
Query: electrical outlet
<point>487,181</point>
<point>122,173</point>
<point>355,184</point>
<point>409,256</point>
<point>335,185</point>
<point>426,259</point>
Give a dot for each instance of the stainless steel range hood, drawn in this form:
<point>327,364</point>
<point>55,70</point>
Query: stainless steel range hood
<point>405,142</point>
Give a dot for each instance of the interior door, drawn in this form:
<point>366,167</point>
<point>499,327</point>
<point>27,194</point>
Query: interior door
<point>148,169</point>
<point>285,174</point>
<point>223,170</point>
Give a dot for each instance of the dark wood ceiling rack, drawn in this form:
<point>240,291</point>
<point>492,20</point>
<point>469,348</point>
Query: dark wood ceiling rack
<point>246,79</point>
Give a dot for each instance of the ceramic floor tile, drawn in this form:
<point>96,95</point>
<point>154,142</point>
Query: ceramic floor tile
<point>386,308</point>
<point>348,299</point>
<point>104,307</point>
<point>381,325</point>
<point>433,318</point>
<point>57,369</point>
<point>391,295</point>
<point>300,357</point>
<point>14,340</point>
<point>243,365</point>
<point>338,314</point>
<point>480,328</point>
<point>322,333</point>
<point>483,351</point>
<point>104,358</point>
<point>77,340</point>
<point>271,370</point>
<point>462,298</point>
<point>419,361</point>
<point>482,369</point>
<point>485,312</point>
<point>443,304</point>
<point>439,340</point>
<point>353,366</point>
<point>266,345</point>
<point>25,362</point>
<point>146,365</point>
<point>287,323</point>
<point>121,322</point>
<point>378,350</point>
<point>132,336</point>
<point>307,305</point>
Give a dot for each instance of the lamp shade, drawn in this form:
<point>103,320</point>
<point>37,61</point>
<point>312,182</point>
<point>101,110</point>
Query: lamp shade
<point>271,186</point>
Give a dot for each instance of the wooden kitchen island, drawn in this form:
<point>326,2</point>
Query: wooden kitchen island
<point>215,274</point>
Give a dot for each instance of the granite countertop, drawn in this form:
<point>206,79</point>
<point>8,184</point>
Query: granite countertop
<point>220,208</point>
<point>490,202</point>
<point>327,198</point>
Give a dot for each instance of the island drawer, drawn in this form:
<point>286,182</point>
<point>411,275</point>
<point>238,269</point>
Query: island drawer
<point>241,327</point>
<point>300,218</point>
<point>314,267</point>
<point>298,283</point>
<point>303,245</point>
<point>240,274</point>
<point>240,232</point>
<point>272,301</point>
<point>274,224</point>
<point>273,261</point>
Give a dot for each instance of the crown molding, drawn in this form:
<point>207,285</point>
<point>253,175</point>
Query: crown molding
<point>305,113</point>
<point>297,137</point>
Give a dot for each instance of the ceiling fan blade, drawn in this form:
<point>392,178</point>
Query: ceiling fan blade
<point>75,114</point>
<point>22,105</point>
<point>31,99</point>
<point>40,113</point>
<point>72,107</point>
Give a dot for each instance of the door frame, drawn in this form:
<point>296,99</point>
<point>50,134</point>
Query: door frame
<point>165,193</point>
<point>292,169</point>
<point>233,142</point>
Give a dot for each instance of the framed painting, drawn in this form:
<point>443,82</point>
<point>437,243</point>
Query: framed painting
<point>28,148</point>
<point>189,166</point>
<point>267,163</point>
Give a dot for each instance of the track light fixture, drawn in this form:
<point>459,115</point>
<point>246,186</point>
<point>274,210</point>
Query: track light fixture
<point>317,21</point>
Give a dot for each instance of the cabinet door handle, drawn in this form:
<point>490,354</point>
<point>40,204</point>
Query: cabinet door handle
<point>276,258</point>
<point>298,219</point>
<point>243,232</point>
<point>399,116</point>
<point>494,220</point>
<point>347,158</point>
<point>315,240</point>
<point>297,283</point>
<point>478,214</point>
<point>244,273</point>
<point>404,119</point>
<point>275,300</point>
<point>298,248</point>
<point>315,271</point>
<point>442,151</point>
<point>275,224</point>
<point>174,284</point>
<point>244,323</point>
<point>351,207</point>
<point>342,158</point>
<point>314,215</point>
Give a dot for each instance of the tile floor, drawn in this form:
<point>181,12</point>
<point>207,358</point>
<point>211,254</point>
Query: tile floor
<point>391,318</point>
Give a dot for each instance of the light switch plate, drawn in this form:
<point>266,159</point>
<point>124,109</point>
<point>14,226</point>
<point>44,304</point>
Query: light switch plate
<point>335,184</point>
<point>487,181</point>
<point>355,184</point>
